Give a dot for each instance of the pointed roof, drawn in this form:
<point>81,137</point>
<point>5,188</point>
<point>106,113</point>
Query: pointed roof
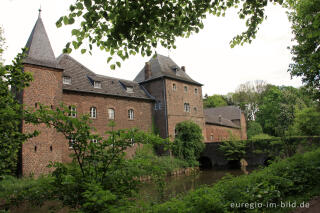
<point>163,66</point>
<point>39,50</point>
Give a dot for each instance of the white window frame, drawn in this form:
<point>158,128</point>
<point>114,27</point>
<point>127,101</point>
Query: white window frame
<point>185,88</point>
<point>174,87</point>
<point>97,84</point>
<point>93,112</point>
<point>111,113</point>
<point>211,137</point>
<point>131,114</point>
<point>73,111</point>
<point>71,142</point>
<point>129,89</point>
<point>186,107</point>
<point>66,80</point>
<point>94,140</point>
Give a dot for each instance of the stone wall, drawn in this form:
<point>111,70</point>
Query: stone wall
<point>216,133</point>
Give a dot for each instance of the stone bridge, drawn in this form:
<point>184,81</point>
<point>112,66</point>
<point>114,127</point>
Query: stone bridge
<point>213,157</point>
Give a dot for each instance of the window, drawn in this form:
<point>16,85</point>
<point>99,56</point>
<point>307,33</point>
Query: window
<point>129,89</point>
<point>132,142</point>
<point>174,87</point>
<point>66,80</point>
<point>94,140</point>
<point>185,89</point>
<point>93,112</point>
<point>97,84</point>
<point>73,111</point>
<point>157,106</point>
<point>195,109</point>
<point>211,137</point>
<point>186,107</point>
<point>195,90</point>
<point>71,143</point>
<point>130,114</point>
<point>111,114</point>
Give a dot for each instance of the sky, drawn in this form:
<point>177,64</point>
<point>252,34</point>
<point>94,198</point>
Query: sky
<point>207,56</point>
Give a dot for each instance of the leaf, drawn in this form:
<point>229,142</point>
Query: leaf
<point>109,59</point>
<point>112,66</point>
<point>83,51</point>
<point>118,64</point>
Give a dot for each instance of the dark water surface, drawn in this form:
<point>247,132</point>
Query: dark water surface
<point>181,184</point>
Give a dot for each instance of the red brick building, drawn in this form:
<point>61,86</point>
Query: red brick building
<point>162,94</point>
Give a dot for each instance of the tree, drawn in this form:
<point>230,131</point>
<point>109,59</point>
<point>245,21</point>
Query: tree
<point>254,128</point>
<point>129,27</point>
<point>305,20</point>
<point>188,143</point>
<point>247,97</point>
<point>307,121</point>
<point>277,108</point>
<point>2,44</point>
<point>214,101</point>
<point>12,81</point>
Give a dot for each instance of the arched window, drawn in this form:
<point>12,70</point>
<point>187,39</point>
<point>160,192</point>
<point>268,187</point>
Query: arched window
<point>130,114</point>
<point>93,112</point>
<point>111,113</point>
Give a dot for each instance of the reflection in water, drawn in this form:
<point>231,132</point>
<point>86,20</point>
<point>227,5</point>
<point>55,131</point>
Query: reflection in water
<point>182,184</point>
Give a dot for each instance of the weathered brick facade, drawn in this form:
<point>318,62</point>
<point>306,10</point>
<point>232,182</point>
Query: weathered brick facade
<point>161,96</point>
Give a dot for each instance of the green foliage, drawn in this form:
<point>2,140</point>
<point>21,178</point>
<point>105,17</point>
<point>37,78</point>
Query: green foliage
<point>261,136</point>
<point>277,109</point>
<point>233,150</point>
<point>146,162</point>
<point>305,19</point>
<point>214,101</point>
<point>98,167</point>
<point>247,97</point>
<point>293,179</point>
<point>307,121</point>
<point>129,27</point>
<point>12,82</point>
<point>188,143</point>
<point>15,192</point>
<point>254,128</point>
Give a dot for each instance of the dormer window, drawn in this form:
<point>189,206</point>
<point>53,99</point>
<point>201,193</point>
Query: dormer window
<point>129,89</point>
<point>66,80</point>
<point>97,84</point>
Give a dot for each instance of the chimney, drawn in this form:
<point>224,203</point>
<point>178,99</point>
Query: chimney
<point>220,119</point>
<point>183,68</point>
<point>147,71</point>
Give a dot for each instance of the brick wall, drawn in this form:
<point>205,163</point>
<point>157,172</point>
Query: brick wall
<point>38,151</point>
<point>83,101</point>
<point>220,133</point>
<point>175,105</point>
<point>157,89</point>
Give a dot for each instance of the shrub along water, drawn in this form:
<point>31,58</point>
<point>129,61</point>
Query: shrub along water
<point>277,188</point>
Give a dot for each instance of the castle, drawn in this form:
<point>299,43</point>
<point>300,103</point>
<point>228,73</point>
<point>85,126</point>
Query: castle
<point>162,94</point>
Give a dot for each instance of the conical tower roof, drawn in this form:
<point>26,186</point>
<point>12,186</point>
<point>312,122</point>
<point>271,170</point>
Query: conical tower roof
<point>39,50</point>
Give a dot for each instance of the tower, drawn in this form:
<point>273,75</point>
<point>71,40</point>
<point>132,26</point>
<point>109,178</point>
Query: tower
<point>178,97</point>
<point>46,88</point>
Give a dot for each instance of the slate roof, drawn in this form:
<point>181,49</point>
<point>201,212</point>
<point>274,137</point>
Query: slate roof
<point>227,113</point>
<point>82,81</point>
<point>162,66</point>
<point>39,50</point>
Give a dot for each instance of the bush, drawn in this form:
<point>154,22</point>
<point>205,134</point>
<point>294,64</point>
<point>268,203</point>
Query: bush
<point>293,179</point>
<point>188,143</point>
<point>254,128</point>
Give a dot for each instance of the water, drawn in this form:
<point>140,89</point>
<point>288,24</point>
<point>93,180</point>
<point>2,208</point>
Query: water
<point>176,185</point>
